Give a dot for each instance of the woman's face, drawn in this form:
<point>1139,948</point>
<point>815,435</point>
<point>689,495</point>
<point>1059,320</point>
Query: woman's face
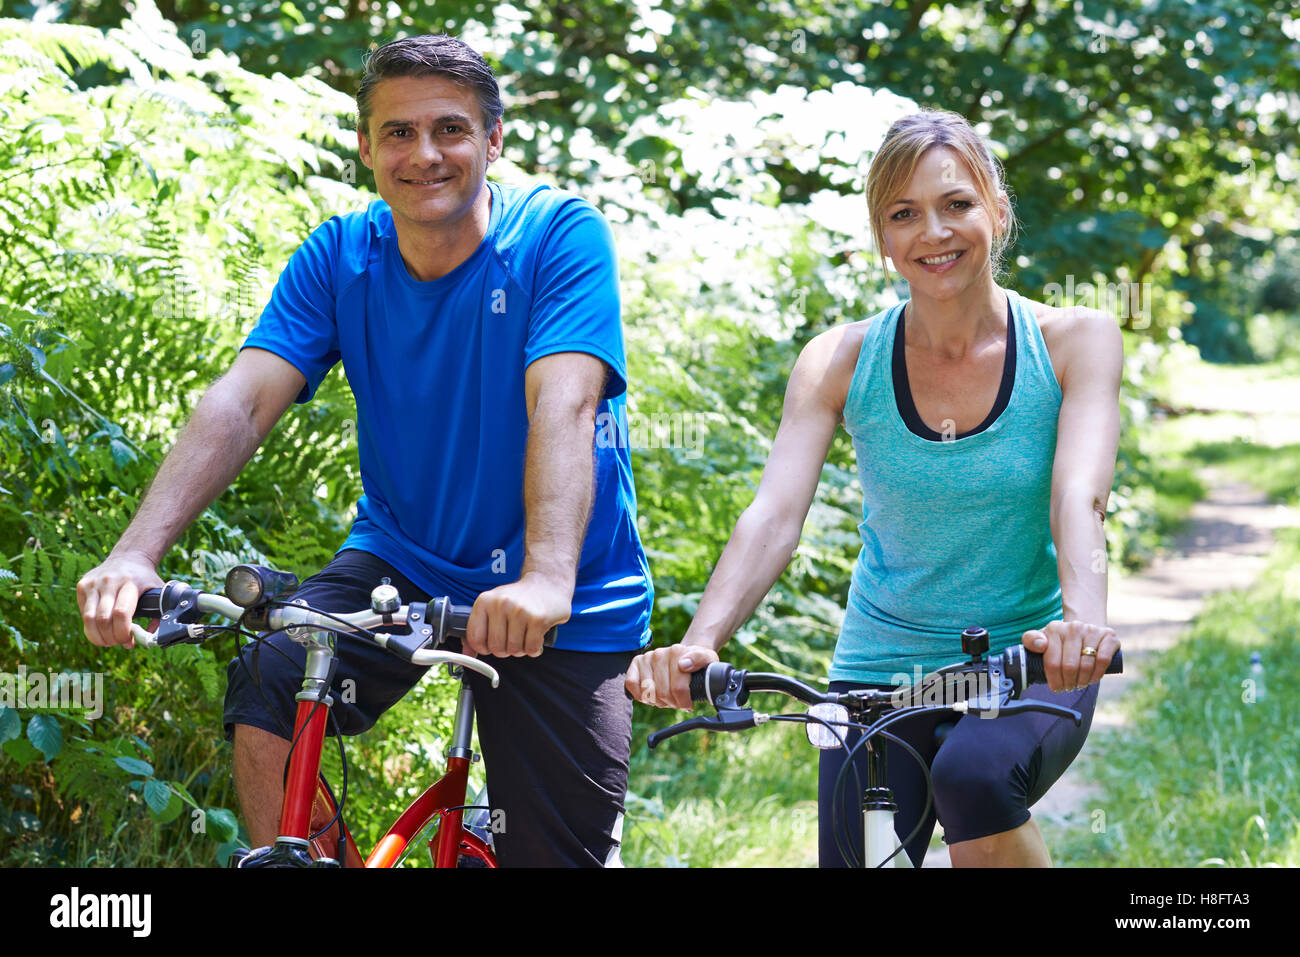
<point>938,232</point>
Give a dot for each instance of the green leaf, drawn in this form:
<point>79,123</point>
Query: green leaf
<point>184,794</point>
<point>134,766</point>
<point>22,792</point>
<point>224,850</point>
<point>44,732</point>
<point>156,795</point>
<point>121,452</point>
<point>164,803</point>
<point>1153,238</point>
<point>21,750</point>
<point>27,820</point>
<point>222,824</point>
<point>7,372</point>
<point>38,357</point>
<point>22,410</point>
<point>14,632</point>
<point>11,726</point>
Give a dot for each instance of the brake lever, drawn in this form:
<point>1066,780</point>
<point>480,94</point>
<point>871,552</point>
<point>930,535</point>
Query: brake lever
<point>732,719</point>
<point>975,707</point>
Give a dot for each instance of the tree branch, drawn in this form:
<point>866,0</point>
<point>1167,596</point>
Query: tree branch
<point>1048,137</point>
<point>915,14</point>
<point>1022,15</point>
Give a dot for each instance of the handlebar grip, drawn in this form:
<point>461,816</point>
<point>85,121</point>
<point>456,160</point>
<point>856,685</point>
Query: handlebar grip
<point>698,693</point>
<point>458,621</point>
<point>1036,675</point>
<point>708,683</point>
<point>149,604</point>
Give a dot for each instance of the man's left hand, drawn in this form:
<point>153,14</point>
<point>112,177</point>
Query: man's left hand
<point>511,621</point>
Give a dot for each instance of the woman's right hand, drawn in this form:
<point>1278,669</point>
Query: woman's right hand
<point>662,677</point>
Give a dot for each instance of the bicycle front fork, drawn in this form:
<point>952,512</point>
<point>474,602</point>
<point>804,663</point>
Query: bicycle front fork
<point>878,808</point>
<point>880,837</point>
<point>292,846</point>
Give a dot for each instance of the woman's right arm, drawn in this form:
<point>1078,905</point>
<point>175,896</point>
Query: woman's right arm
<point>767,534</point>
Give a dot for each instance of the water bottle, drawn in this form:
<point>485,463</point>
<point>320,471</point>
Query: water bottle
<point>1257,675</point>
<point>477,820</point>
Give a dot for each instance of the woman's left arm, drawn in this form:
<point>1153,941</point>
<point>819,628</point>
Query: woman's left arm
<point>1090,357</point>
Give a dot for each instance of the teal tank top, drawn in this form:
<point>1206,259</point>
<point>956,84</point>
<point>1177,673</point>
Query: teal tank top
<point>955,533</point>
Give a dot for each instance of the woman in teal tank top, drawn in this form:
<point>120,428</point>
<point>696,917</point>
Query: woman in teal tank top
<point>985,427</point>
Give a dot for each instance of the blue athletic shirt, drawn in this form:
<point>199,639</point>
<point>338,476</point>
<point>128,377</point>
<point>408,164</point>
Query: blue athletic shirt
<point>437,369</point>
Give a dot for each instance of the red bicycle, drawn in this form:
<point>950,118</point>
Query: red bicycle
<point>252,602</point>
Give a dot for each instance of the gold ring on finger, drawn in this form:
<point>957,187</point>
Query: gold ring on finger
<point>1089,651</point>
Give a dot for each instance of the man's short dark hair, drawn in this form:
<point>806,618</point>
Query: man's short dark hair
<point>430,55</point>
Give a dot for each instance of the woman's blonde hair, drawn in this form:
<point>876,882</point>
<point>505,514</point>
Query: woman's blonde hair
<point>910,138</point>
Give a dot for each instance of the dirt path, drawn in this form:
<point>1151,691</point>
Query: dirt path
<point>1225,546</point>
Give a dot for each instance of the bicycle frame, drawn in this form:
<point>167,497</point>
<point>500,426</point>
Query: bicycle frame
<point>305,790</point>
<point>880,840</point>
<point>308,805</point>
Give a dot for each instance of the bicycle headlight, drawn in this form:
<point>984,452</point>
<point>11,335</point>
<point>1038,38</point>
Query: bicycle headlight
<point>244,586</point>
<point>820,736</point>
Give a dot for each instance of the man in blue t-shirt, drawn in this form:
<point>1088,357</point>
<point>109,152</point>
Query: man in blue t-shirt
<point>479,329</point>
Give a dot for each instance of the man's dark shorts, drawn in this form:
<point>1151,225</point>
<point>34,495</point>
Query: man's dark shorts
<point>556,734</point>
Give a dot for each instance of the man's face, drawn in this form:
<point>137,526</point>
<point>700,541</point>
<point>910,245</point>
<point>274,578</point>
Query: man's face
<point>428,149</point>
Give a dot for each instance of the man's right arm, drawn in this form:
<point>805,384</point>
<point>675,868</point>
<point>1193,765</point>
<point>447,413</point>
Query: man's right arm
<point>231,421</point>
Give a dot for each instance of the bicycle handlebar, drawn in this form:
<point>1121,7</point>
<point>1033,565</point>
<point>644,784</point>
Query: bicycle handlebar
<point>1022,666</point>
<point>1005,675</point>
<point>431,623</point>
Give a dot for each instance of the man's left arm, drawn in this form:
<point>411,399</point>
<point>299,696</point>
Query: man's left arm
<point>562,390</point>
<point>1082,472</point>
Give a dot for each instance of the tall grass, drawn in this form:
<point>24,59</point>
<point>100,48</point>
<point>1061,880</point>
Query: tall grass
<point>741,800</point>
<point>1203,773</point>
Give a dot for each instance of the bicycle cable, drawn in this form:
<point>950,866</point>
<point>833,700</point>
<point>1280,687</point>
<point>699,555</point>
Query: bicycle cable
<point>343,796</point>
<point>843,838</point>
<point>839,795</point>
<point>320,698</point>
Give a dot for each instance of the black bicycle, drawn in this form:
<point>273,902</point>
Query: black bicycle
<point>988,686</point>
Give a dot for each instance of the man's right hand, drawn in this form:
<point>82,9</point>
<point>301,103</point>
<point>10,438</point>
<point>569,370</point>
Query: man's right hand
<point>107,596</point>
<point>662,677</point>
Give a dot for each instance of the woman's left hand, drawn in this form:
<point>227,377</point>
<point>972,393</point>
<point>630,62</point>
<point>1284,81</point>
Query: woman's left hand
<point>1075,654</point>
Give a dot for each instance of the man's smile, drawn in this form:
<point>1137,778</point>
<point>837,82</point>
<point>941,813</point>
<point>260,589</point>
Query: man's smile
<point>427,182</point>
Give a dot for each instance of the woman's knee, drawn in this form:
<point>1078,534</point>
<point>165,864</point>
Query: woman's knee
<point>972,792</point>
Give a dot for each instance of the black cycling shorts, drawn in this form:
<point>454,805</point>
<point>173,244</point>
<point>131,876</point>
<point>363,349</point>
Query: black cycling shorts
<point>556,735</point>
<point>987,772</point>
